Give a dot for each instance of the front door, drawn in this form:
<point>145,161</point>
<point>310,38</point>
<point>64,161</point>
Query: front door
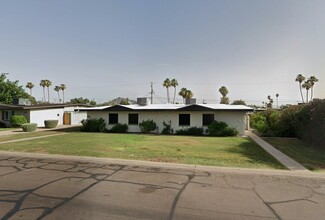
<point>67,118</point>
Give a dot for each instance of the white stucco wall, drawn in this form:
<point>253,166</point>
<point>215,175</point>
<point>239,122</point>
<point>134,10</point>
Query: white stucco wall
<point>38,116</point>
<point>234,119</point>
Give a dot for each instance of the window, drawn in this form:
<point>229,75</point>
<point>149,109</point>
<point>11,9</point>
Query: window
<point>184,119</point>
<point>207,119</point>
<point>133,119</point>
<point>113,118</point>
<point>6,115</point>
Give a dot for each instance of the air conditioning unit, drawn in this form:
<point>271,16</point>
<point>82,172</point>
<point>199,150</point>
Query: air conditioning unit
<point>190,101</point>
<point>142,101</point>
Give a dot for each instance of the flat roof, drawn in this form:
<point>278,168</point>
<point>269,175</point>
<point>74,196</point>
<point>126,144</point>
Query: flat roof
<point>170,107</point>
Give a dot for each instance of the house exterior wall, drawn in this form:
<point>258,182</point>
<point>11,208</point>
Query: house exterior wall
<point>235,119</point>
<point>38,116</point>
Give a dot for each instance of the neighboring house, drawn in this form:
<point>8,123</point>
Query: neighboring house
<point>64,113</point>
<point>179,115</point>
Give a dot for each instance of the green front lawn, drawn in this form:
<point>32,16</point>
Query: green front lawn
<point>311,158</point>
<point>228,151</point>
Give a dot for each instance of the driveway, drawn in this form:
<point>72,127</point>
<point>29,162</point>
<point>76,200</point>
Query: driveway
<point>58,187</point>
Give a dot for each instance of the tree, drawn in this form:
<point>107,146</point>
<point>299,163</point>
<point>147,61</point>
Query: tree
<point>30,86</point>
<point>277,100</point>
<point>224,92</point>
<point>312,80</point>
<point>81,100</point>
<point>63,87</point>
<point>307,85</point>
<point>57,89</point>
<point>270,103</point>
<point>174,84</point>
<point>238,102</point>
<point>167,84</point>
<point>48,83</point>
<point>182,93</point>
<point>188,94</point>
<point>43,84</point>
<point>10,90</point>
<point>300,78</point>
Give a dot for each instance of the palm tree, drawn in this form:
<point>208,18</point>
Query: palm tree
<point>57,89</point>
<point>63,87</point>
<point>277,97</point>
<point>312,80</point>
<point>30,86</point>
<point>174,84</point>
<point>43,84</point>
<point>307,86</point>
<point>48,83</point>
<point>167,84</point>
<point>224,92</point>
<point>188,94</point>
<point>300,78</point>
<point>182,93</point>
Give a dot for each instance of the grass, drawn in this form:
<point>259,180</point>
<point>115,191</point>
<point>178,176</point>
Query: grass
<point>8,129</point>
<point>311,158</point>
<point>21,135</point>
<point>228,152</point>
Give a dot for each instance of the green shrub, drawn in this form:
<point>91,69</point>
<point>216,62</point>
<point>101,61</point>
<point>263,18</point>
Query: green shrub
<point>192,131</point>
<point>2,124</point>
<point>51,123</point>
<point>29,127</point>
<point>119,128</point>
<point>167,128</point>
<point>17,120</point>
<point>147,126</point>
<point>93,125</point>
<point>221,129</point>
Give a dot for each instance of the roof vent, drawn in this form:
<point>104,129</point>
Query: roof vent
<point>190,101</point>
<point>142,101</point>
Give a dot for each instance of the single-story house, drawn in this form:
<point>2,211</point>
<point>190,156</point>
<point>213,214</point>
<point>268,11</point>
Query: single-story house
<point>65,113</point>
<point>180,116</point>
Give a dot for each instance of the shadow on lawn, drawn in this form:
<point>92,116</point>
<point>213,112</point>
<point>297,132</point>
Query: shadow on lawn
<point>255,154</point>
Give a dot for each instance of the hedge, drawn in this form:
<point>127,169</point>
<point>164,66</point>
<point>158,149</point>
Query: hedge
<point>29,127</point>
<point>51,123</point>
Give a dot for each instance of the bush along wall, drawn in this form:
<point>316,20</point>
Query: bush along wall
<point>17,120</point>
<point>119,128</point>
<point>221,129</point>
<point>93,125</point>
<point>147,126</point>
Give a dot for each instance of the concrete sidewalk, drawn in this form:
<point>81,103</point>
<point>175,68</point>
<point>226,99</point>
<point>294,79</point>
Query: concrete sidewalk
<point>281,157</point>
<point>39,129</point>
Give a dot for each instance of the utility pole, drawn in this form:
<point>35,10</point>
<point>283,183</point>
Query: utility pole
<point>151,92</point>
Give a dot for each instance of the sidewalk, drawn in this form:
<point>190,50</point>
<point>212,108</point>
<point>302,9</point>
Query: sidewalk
<point>281,157</point>
<point>39,129</point>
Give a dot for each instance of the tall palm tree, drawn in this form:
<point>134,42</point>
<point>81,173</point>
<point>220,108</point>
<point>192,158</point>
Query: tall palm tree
<point>300,78</point>
<point>43,84</point>
<point>307,86</point>
<point>312,80</point>
<point>30,86</point>
<point>167,84</point>
<point>277,97</point>
<point>57,89</point>
<point>182,93</point>
<point>63,87</point>
<point>48,83</point>
<point>174,84</point>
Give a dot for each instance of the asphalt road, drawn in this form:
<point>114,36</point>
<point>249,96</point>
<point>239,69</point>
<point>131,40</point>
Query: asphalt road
<point>46,187</point>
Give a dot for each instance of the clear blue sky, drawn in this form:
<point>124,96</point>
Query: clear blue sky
<point>102,49</point>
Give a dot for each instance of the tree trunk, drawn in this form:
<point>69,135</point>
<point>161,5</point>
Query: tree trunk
<point>302,97</point>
